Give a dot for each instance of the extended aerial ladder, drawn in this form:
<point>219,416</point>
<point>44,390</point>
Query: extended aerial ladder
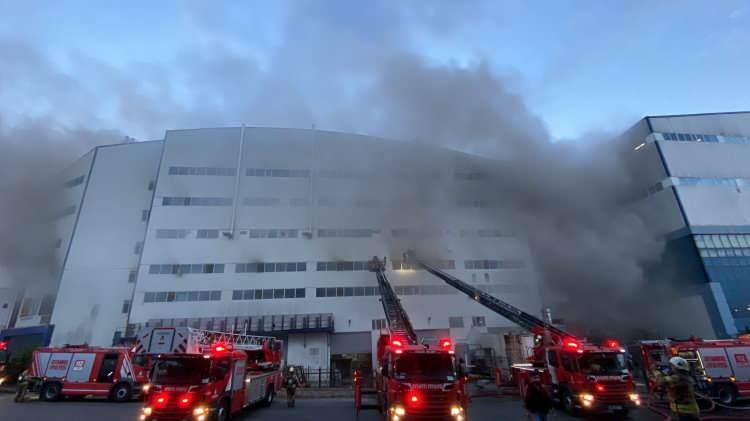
<point>523,319</point>
<point>395,315</point>
<point>569,383</point>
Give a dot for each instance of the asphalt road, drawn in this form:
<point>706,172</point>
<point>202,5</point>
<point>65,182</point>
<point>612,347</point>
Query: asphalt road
<point>482,409</point>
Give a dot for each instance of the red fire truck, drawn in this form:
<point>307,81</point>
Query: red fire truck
<point>721,368</point>
<point>4,360</point>
<point>413,381</point>
<point>199,375</point>
<point>580,375</point>
<point>81,370</point>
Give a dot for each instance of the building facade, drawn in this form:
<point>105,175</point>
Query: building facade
<point>698,172</point>
<point>265,230</point>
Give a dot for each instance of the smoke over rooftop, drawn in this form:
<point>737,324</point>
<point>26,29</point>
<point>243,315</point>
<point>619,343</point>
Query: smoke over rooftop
<point>339,71</point>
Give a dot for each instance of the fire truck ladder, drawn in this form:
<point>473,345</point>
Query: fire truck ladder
<point>515,315</point>
<point>395,315</point>
<point>236,340</point>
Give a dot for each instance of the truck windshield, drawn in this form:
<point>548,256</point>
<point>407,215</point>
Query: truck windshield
<point>602,364</point>
<point>426,367</point>
<point>180,370</point>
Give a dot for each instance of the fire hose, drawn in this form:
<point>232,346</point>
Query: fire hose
<point>666,415</point>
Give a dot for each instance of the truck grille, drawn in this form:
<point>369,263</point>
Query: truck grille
<point>614,392</point>
<point>171,413</point>
<point>435,405</point>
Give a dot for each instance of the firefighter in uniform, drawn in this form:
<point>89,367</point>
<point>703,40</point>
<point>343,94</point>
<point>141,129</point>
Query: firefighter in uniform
<point>290,384</point>
<point>22,386</point>
<point>658,382</point>
<point>679,387</point>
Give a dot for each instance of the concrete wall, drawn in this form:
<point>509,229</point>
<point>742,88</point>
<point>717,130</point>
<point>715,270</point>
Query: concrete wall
<point>320,153</point>
<point>95,282</point>
<point>718,123</point>
<point>309,350</point>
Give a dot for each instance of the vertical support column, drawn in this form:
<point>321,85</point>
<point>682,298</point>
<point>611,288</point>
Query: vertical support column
<point>238,177</point>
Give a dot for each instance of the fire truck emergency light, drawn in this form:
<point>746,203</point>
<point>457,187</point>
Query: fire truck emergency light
<point>220,347</point>
<point>185,400</point>
<point>413,398</point>
<point>571,343</point>
<point>446,343</point>
<point>612,343</point>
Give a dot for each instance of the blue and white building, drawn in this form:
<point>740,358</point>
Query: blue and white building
<point>697,169</point>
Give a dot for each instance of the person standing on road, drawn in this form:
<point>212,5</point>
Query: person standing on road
<point>290,384</point>
<point>537,401</point>
<point>22,386</point>
<point>680,391</point>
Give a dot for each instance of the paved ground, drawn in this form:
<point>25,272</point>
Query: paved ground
<point>482,409</point>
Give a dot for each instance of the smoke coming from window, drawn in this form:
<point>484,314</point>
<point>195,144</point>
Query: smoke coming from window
<point>339,67</point>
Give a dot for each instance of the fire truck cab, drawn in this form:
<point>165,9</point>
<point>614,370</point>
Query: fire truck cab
<point>720,368</point>
<point>208,375</point>
<point>584,377</point>
<point>81,370</point>
<point>581,375</point>
<point>416,382</point>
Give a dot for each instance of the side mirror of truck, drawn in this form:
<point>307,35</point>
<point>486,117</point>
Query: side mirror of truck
<point>384,371</point>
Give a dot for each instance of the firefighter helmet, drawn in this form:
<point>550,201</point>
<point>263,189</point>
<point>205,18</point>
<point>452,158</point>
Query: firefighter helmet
<point>680,363</point>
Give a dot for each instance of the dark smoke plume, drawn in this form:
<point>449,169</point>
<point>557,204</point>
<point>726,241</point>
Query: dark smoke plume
<point>343,67</point>
<point>573,200</point>
<point>33,156</point>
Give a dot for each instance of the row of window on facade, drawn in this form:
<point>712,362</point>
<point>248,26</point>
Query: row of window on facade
<point>326,266</point>
<point>174,269</point>
<point>304,173</point>
<point>710,181</point>
<point>267,294</point>
<point>709,138</point>
<point>180,296</point>
<point>456,322</point>
<point>301,202</point>
<point>700,181</point>
<point>31,306</point>
<point>322,233</point>
<point>715,241</point>
<point>364,291</point>
<point>729,255</point>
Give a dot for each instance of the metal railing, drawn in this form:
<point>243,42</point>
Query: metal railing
<point>323,378</point>
<point>290,323</point>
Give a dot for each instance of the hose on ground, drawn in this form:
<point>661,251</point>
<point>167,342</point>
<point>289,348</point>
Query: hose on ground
<point>719,404</point>
<point>666,414</point>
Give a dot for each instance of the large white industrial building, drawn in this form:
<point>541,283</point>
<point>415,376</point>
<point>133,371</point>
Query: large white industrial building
<point>268,230</point>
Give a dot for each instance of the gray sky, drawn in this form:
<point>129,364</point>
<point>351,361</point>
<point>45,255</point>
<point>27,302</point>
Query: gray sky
<point>143,67</point>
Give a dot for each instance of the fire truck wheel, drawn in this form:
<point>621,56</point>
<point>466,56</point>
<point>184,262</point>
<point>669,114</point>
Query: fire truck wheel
<point>222,411</point>
<point>569,403</point>
<point>120,392</point>
<point>726,394</point>
<point>51,392</point>
<point>270,394</point>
